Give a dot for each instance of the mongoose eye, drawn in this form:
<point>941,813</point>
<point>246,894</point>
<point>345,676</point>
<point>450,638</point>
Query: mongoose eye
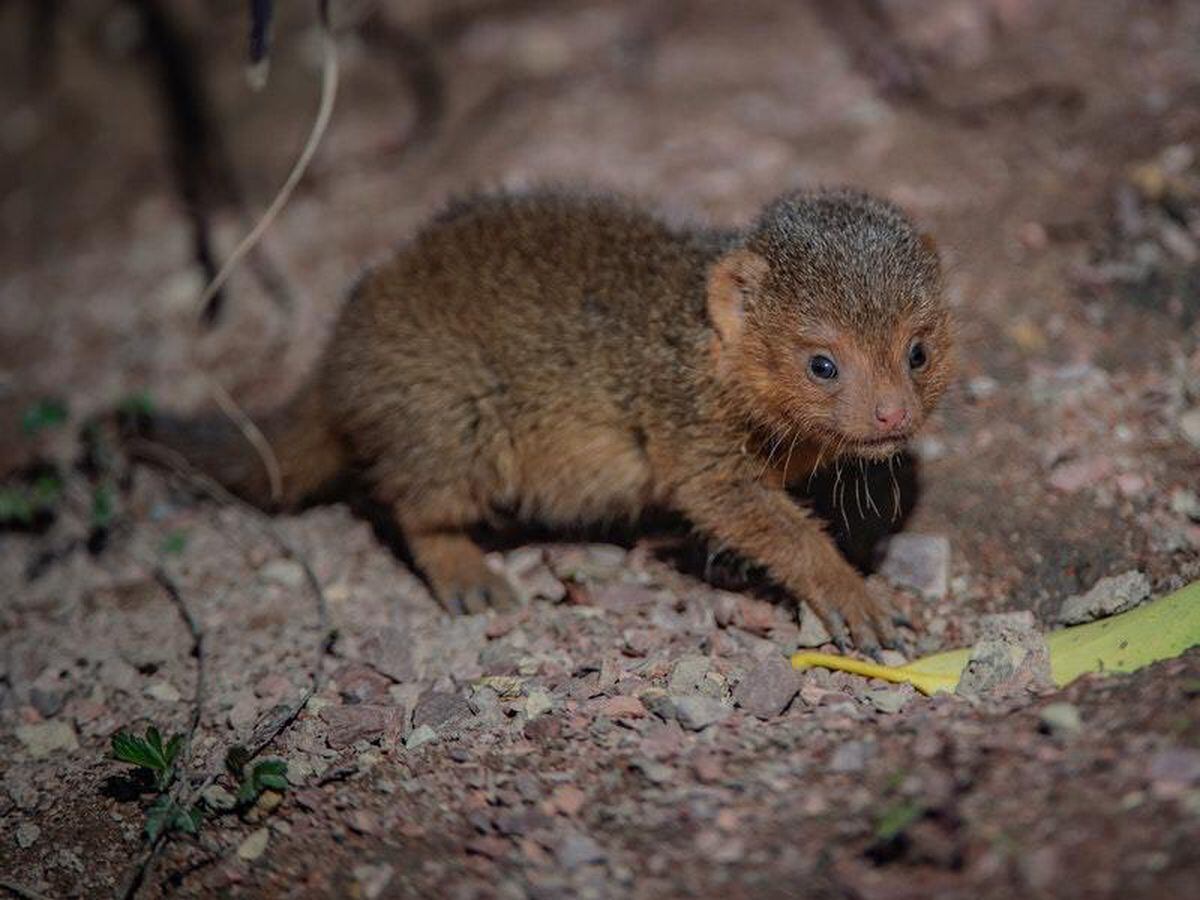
<point>823,367</point>
<point>917,357</point>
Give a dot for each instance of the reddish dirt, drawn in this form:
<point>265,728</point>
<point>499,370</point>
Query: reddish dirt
<point>1052,148</point>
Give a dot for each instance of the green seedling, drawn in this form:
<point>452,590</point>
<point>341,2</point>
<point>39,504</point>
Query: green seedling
<point>166,815</point>
<point>267,774</point>
<point>43,415</point>
<point>149,753</point>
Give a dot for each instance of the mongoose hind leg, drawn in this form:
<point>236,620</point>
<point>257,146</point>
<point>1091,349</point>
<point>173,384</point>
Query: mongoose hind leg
<point>455,568</point>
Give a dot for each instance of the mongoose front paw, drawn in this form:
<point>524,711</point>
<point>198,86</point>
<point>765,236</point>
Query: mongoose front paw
<point>849,609</point>
<point>483,591</point>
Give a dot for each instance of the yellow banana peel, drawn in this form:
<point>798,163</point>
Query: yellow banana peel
<point>1161,629</point>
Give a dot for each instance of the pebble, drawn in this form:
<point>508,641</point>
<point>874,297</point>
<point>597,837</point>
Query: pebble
<point>48,703</point>
<point>27,834</point>
<point>218,799</point>
<point>1189,425</point>
<point>285,572</point>
<point>438,708</point>
<point>538,702</point>
<point>851,756</point>
<point>920,562</point>
<point>1076,475</point>
<point>576,849</point>
<point>696,712</point>
<point>1107,597</point>
<point>420,736</point>
<point>767,689</point>
<point>1173,771</point>
<point>43,738</point>
<point>813,632</point>
<point>1010,655</point>
<point>1061,719</point>
<point>891,700</point>
<point>620,707</point>
<point>1186,503</point>
<point>164,691</point>
<point>361,722</point>
<point>687,674</point>
<point>373,879</point>
<point>254,845</point>
<point>567,799</point>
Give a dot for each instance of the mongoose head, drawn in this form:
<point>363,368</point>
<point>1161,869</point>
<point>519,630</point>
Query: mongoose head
<point>830,323</point>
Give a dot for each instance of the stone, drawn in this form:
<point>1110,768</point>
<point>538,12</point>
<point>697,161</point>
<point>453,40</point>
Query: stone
<point>567,799</point>
<point>373,879</point>
<point>891,700</point>
<point>164,691</point>
<point>254,845</point>
<point>620,707</point>
<point>920,562</point>
<point>1011,655</point>
<point>218,799</point>
<point>1189,425</point>
<point>285,572</point>
<point>1060,719</point>
<point>47,702</point>
<point>361,722</point>
<point>767,689</point>
<point>420,736</point>
<point>576,849</point>
<point>813,632</point>
<point>1173,771</point>
<point>696,712</point>
<point>44,738</point>
<point>538,702</point>
<point>1107,597</point>
<point>27,834</point>
<point>1070,477</point>
<point>687,674</point>
<point>851,756</point>
<point>438,708</point>
<point>1186,503</point>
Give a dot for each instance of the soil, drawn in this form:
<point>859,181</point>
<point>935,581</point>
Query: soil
<point>633,731</point>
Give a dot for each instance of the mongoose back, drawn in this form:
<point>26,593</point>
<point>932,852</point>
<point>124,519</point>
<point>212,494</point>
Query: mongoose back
<point>573,358</point>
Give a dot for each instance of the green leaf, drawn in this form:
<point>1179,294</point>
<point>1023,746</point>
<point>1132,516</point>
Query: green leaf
<point>103,505</point>
<point>174,543</point>
<point>897,818</point>
<point>236,758</point>
<point>137,751</point>
<point>165,815</point>
<point>172,749</point>
<point>46,414</point>
<point>137,404</point>
<point>247,792</point>
<point>274,782</point>
<point>15,506</point>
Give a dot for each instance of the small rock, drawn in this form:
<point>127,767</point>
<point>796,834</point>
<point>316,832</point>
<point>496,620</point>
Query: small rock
<point>891,700</point>
<point>567,799</point>
<point>576,849</point>
<point>373,879</point>
<point>437,709</point>
<point>218,799</point>
<point>755,616</point>
<point>981,387</point>
<point>852,756</point>
<point>696,712</point>
<point>43,738</point>
<point>420,736</point>
<point>813,632</point>
<point>27,834</point>
<point>285,572</point>
<point>254,845</point>
<point>363,822</point>
<point>656,772</point>
<point>768,689</point>
<point>1076,475</point>
<point>361,722</point>
<point>708,768</point>
<point>537,702</point>
<point>920,562</point>
<point>1011,655</point>
<point>1173,771</point>
<point>687,674</point>
<point>489,846</point>
<point>1061,719</point>
<point>164,691</point>
<point>620,707</point>
<point>1189,425</point>
<point>1107,597</point>
<point>1186,503</point>
<point>48,703</point>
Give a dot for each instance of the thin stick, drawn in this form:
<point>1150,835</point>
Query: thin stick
<point>329,85</point>
<point>20,891</point>
<point>251,433</point>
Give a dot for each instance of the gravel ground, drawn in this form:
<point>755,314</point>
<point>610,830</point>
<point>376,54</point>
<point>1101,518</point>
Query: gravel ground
<point>635,730</point>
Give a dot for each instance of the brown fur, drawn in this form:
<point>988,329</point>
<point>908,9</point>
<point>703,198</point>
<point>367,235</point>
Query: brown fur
<point>574,358</point>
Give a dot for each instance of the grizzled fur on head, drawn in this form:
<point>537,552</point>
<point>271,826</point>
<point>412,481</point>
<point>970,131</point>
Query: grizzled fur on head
<point>844,256</point>
<point>829,322</point>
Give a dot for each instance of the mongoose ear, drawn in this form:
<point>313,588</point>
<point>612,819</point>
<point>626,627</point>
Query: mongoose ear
<point>732,282</point>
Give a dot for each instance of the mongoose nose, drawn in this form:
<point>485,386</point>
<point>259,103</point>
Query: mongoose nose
<point>891,418</point>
